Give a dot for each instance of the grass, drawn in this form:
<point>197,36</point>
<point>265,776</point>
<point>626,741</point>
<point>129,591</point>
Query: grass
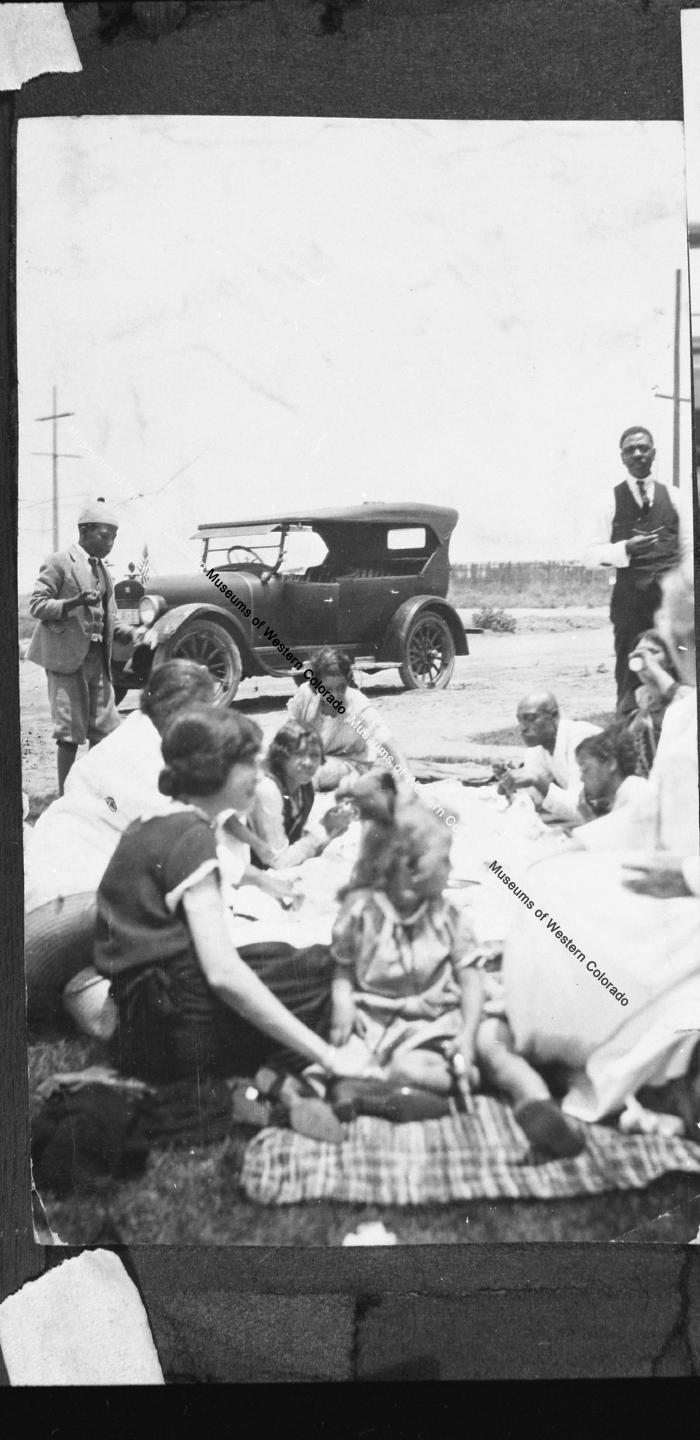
<point>512,736</point>
<point>545,622</point>
<point>194,1197</point>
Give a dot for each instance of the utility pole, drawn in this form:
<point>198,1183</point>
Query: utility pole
<point>55,455</point>
<point>677,385</point>
<point>676,397</point>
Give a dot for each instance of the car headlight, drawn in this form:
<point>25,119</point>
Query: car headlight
<point>149,609</point>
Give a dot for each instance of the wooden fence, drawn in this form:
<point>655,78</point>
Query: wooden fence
<point>529,582</point>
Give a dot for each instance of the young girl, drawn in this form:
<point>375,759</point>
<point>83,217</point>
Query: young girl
<point>658,687</point>
<point>188,1003</point>
<point>607,763</point>
<point>405,979</point>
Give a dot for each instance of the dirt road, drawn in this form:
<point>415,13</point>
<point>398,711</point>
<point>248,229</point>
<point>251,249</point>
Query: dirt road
<point>577,664</point>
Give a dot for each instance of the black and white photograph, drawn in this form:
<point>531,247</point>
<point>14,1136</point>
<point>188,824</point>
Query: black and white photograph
<point>357,678</point>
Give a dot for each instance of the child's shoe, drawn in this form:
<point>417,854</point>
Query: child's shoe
<point>386,1100</point>
<point>305,1111</point>
<point>549,1132</point>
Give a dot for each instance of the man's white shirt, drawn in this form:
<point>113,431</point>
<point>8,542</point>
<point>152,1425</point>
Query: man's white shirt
<point>601,550</point>
<point>562,798</point>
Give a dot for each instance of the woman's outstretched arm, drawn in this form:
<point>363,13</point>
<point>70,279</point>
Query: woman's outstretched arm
<point>234,983</point>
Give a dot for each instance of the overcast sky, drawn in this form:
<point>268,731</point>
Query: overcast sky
<point>252,313</point>
<point>691,109</point>
<point>690,29</point>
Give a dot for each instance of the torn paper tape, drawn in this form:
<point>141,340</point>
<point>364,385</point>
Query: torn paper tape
<point>82,1323</point>
<point>34,40</point>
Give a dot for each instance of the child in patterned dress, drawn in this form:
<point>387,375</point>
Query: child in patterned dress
<point>405,975</point>
<point>407,979</point>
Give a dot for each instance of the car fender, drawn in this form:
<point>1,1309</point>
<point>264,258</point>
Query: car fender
<point>165,628</point>
<point>393,639</point>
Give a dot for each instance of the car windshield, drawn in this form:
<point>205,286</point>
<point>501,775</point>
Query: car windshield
<point>301,547</point>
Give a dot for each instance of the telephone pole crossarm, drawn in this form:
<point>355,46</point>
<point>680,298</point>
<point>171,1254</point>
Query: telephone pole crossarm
<point>56,455</point>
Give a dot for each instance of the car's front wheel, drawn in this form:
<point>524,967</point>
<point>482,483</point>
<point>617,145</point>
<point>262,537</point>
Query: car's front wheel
<point>211,645</point>
<point>428,653</point>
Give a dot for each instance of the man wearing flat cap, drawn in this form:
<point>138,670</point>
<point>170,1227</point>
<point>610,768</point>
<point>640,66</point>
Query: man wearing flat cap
<point>643,533</point>
<point>73,602</point>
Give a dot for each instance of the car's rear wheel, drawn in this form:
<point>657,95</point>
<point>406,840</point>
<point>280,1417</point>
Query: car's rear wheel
<point>428,653</point>
<point>211,645</point>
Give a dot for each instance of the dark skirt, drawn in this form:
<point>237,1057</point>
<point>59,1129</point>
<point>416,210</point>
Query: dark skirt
<point>172,1026</point>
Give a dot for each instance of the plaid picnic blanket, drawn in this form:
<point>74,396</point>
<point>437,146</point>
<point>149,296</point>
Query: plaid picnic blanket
<point>482,1156</point>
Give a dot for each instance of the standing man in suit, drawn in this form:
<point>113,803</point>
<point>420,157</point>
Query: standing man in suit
<point>73,602</point>
<point>639,535</point>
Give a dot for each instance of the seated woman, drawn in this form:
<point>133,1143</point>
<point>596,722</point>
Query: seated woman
<point>188,1003</point>
<point>73,840</point>
<point>284,798</point>
<point>603,976</point>
<point>607,763</point>
<point>352,741</point>
<point>405,979</point>
<point>660,687</point>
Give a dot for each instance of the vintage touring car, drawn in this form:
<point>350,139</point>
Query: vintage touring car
<point>371,578</point>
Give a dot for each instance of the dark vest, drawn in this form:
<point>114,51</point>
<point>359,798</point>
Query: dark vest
<point>628,521</point>
<point>294,820</point>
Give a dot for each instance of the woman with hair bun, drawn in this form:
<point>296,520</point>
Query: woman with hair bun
<point>188,1003</point>
<point>69,847</point>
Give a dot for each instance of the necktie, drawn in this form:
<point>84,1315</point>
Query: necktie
<point>97,613</point>
<point>646,502</point>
